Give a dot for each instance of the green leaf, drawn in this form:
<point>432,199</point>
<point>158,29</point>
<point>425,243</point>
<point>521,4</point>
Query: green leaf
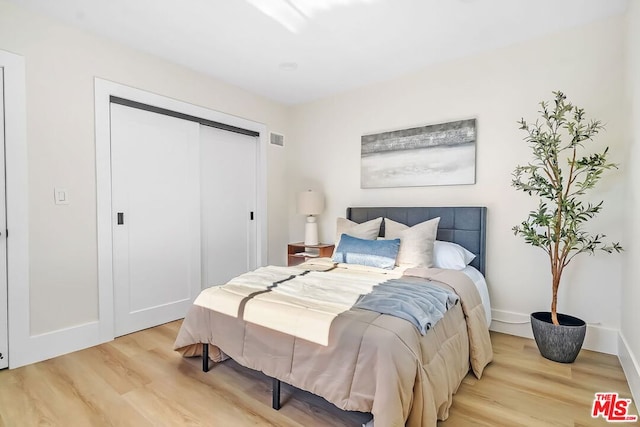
<point>560,177</point>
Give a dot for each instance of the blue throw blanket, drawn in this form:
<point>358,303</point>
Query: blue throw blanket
<point>413,300</point>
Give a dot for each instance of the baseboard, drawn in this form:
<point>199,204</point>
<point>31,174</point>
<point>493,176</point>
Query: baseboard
<point>598,338</point>
<point>630,366</point>
<point>37,348</point>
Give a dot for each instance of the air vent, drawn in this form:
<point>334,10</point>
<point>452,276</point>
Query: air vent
<point>277,139</point>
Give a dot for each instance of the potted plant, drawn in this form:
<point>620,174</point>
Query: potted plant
<point>559,176</point>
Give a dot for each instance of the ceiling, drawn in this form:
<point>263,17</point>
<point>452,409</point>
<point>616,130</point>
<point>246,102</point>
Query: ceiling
<point>295,51</point>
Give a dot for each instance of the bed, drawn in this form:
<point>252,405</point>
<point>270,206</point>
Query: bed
<point>281,321</point>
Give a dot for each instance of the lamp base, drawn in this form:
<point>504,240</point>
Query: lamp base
<point>311,231</point>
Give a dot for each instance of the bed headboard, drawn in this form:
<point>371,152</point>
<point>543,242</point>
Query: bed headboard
<point>465,226</point>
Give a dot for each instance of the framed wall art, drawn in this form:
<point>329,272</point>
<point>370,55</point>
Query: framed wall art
<point>439,154</point>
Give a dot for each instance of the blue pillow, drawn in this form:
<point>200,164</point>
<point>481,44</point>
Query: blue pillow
<point>372,253</point>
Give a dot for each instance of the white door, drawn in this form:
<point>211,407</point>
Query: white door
<point>156,217</point>
<point>4,343</point>
<point>228,170</point>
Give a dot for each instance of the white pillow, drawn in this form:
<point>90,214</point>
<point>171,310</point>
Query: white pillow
<point>367,230</point>
<point>416,243</point>
<point>451,255</point>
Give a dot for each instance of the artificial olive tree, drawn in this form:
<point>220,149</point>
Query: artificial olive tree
<point>560,176</point>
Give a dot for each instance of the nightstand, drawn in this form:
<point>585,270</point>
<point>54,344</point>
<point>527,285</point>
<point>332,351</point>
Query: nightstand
<point>298,253</point>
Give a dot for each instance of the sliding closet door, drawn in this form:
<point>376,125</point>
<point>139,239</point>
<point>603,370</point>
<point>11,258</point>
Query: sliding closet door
<point>4,344</point>
<point>156,217</point>
<point>228,164</point>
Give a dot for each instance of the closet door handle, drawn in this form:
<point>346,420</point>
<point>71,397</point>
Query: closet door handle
<point>120,218</point>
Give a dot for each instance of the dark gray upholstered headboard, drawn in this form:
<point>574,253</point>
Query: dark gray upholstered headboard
<point>465,226</point>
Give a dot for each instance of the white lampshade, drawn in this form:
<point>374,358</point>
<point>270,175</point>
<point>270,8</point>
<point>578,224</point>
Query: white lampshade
<point>310,203</point>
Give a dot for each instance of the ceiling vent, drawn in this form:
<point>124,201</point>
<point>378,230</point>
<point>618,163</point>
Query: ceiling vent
<point>277,139</point>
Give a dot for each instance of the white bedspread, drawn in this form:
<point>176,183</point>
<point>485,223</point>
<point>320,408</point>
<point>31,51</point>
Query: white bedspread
<point>297,302</point>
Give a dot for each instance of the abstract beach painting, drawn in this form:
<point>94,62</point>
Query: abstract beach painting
<point>440,154</point>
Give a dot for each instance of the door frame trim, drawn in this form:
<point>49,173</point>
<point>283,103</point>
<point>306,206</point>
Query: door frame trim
<point>17,205</point>
<point>104,89</point>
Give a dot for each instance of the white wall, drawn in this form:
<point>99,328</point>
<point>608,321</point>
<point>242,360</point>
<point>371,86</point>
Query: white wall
<point>629,336</point>
<point>61,63</point>
<point>322,152</point>
<point>497,88</point>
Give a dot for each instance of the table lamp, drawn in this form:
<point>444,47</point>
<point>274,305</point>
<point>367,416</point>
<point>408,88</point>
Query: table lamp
<point>310,203</point>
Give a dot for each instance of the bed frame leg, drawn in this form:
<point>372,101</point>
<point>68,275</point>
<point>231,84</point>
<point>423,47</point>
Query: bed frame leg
<point>205,357</point>
<point>275,394</point>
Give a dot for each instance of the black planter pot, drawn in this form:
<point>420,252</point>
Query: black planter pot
<point>560,343</point>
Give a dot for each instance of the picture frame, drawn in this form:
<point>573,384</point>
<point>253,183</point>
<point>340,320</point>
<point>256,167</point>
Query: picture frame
<point>437,154</point>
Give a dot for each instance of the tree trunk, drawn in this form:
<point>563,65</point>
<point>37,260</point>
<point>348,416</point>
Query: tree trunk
<point>554,299</point>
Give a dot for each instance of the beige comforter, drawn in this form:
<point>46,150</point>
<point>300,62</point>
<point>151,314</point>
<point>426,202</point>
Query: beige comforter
<point>370,363</point>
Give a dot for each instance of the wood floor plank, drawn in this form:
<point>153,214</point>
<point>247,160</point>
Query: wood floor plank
<point>520,387</point>
<point>113,367</point>
<point>138,380</point>
<point>19,402</point>
<point>95,393</point>
<point>55,396</point>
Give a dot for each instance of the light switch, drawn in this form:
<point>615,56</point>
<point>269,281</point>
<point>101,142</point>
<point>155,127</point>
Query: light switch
<point>61,196</point>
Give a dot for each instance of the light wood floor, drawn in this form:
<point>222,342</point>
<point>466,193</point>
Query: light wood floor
<point>137,380</point>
